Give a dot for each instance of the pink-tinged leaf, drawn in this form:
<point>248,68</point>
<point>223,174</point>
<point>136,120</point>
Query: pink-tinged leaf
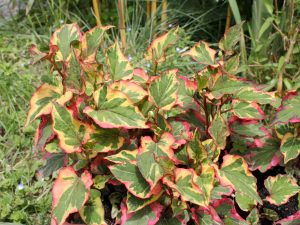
<point>140,76</point>
<point>134,91</point>
<point>289,109</point>
<point>281,188</point>
<point>206,216</point>
<point>251,94</point>
<point>290,147</point>
<point>202,53</point>
<point>158,47</point>
<point>234,172</point>
<point>70,193</point>
<point>44,134</point>
<point>290,220</point>
<point>115,110</point>
<point>146,216</point>
<point>62,38</point>
<point>244,110</point>
<point>154,159</point>
<point>42,100</point>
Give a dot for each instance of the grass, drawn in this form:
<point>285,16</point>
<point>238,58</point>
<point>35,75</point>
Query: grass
<point>24,196</point>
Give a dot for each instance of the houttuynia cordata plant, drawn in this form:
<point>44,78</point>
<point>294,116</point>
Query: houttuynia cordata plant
<point>159,147</point>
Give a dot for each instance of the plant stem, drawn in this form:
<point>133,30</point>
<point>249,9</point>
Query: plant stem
<point>228,18</point>
<point>122,22</point>
<point>96,7</point>
<point>164,15</point>
<point>206,114</point>
<point>287,59</point>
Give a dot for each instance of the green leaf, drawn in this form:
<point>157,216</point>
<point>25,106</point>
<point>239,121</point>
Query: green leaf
<point>71,132</point>
<point>134,204</point>
<point>123,156</point>
<point>100,181</point>
<point>245,110</point>
<point>234,172</point>
<point>219,131</point>
<point>163,90</point>
<point>186,91</point>
<point>129,174</point>
<point>158,47</point>
<point>93,212</point>
<point>231,66</point>
<point>70,193</point>
<point>115,110</point>
<point>43,134</point>
<point>202,53</point>
<point>168,221</point>
<point>105,140</point>
<point>231,38</point>
<point>290,147</point>
<point>63,38</point>
<point>281,188</point>
<point>289,110</point>
<point>151,155</point>
<point>118,64</point>
<point>250,94</point>
<point>225,85</point>
<point>54,163</point>
<point>253,217</point>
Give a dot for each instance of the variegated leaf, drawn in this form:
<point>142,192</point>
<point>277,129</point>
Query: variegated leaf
<point>123,156</point>
<point>105,140</point>
<point>231,38</point>
<point>44,134</point>
<point>90,42</point>
<point>152,154</point>
<point>251,94</point>
<point>140,76</point>
<point>42,100</point>
<point>289,109</point>
<point>244,110</point>
<point>135,92</point>
<point>181,132</point>
<point>219,131</point>
<point>134,204</point>
<point>158,47</point>
<point>129,174</point>
<point>163,90</point>
<point>196,149</point>
<point>93,212</point>
<point>253,217</point>
<point>70,193</point>
<point>281,188</point>
<point>71,132</point>
<point>146,216</point>
<point>115,110</point>
<point>62,38</point>
<point>186,91</point>
<point>118,64</point>
<point>100,181</point>
<point>202,53</point>
<point>206,216</point>
<point>290,220</point>
<point>235,172</point>
<point>290,147</point>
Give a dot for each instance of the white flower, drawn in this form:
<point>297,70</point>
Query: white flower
<point>61,21</point>
<point>178,49</point>
<point>129,58</point>
<point>128,28</point>
<point>170,25</point>
<point>148,65</point>
<point>20,186</point>
<point>146,71</point>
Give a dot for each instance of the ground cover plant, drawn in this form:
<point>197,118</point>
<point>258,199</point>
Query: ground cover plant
<point>161,146</point>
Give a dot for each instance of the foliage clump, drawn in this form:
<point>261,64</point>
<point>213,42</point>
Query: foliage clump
<point>162,146</point>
